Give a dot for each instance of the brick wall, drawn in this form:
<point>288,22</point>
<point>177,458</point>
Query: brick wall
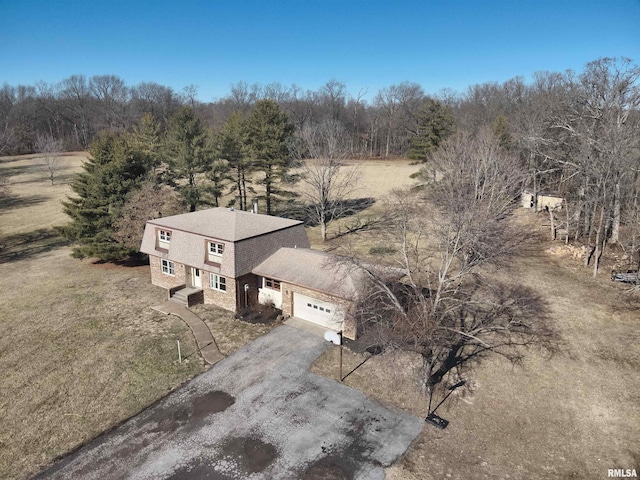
<point>162,279</point>
<point>348,327</point>
<point>226,299</point>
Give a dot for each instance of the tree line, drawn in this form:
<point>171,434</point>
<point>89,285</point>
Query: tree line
<point>574,133</point>
<point>76,109</point>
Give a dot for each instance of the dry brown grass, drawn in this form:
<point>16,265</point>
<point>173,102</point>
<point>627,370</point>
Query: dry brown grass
<point>79,352</point>
<point>571,416</point>
<point>230,334</point>
<point>80,349</point>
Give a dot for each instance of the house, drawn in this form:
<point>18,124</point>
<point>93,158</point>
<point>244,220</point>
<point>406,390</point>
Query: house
<point>207,256</point>
<point>235,259</point>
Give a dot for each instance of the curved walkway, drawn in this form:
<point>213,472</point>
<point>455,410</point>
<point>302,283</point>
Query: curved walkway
<point>204,340</point>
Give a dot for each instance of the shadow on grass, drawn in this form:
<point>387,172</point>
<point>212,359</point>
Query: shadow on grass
<point>25,245</point>
<point>135,260</point>
<point>11,200</point>
<point>297,210</point>
<point>18,170</point>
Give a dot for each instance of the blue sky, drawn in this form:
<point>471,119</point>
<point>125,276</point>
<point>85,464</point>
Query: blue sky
<point>365,44</point>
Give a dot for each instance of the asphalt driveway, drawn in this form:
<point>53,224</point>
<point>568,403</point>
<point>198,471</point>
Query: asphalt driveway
<point>258,414</point>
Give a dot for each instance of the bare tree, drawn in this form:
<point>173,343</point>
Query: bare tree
<point>50,151</point>
<point>327,185</point>
<point>449,310</point>
<point>148,202</point>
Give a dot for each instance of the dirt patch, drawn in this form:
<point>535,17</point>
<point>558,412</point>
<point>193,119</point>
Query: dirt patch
<point>252,454</point>
<point>212,402</point>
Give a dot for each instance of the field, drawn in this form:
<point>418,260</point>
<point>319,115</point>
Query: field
<point>80,348</point>
<point>80,351</point>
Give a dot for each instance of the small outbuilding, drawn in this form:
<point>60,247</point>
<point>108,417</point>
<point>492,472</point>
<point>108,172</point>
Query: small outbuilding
<point>542,201</point>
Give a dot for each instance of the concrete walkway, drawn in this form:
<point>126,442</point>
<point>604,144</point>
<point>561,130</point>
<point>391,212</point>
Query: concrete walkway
<point>206,344</point>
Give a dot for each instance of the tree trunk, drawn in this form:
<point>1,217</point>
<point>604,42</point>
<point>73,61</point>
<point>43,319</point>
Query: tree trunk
<point>323,226</point>
<point>553,224</point>
<point>615,231</point>
<point>599,239</point>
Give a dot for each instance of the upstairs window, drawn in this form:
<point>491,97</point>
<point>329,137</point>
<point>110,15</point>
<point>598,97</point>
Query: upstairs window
<point>214,251</point>
<point>164,238</point>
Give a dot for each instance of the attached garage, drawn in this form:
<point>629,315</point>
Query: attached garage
<point>315,286</point>
<point>326,314</point>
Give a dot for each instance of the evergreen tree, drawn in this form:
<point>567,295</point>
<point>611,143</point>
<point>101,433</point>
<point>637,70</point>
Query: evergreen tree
<point>186,152</point>
<point>268,133</point>
<point>230,147</point>
<point>146,137</point>
<point>434,124</point>
<point>114,170</point>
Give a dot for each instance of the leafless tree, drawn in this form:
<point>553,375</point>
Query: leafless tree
<point>50,151</point>
<point>449,309</point>
<point>149,202</point>
<point>326,183</point>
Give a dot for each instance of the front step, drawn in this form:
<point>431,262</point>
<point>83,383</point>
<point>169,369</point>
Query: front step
<point>187,296</point>
<point>180,299</point>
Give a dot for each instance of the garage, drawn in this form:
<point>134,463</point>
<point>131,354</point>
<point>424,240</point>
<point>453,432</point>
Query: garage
<point>326,314</point>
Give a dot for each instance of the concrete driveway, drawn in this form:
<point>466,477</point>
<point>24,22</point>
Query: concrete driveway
<point>258,414</point>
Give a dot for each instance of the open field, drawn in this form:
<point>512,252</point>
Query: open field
<point>80,351</point>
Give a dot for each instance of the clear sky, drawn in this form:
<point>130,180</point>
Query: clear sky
<point>365,44</point>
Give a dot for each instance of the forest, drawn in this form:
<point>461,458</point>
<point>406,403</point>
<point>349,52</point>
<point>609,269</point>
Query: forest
<point>574,133</point>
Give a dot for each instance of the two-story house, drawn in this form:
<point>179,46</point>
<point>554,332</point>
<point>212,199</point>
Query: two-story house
<point>235,259</point>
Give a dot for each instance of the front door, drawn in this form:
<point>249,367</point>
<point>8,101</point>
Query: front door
<point>196,277</point>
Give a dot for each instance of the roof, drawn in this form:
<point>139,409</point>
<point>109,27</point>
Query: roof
<point>317,270</point>
<point>225,223</point>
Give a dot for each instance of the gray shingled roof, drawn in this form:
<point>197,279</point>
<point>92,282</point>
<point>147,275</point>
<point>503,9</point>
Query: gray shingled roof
<point>225,224</point>
<point>320,271</point>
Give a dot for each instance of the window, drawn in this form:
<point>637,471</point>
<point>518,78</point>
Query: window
<point>168,267</point>
<point>214,252</point>
<point>272,284</point>
<point>164,236</point>
<point>216,248</point>
<point>218,283</point>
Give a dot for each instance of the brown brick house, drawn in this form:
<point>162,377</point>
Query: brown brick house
<point>235,259</point>
<point>207,256</point>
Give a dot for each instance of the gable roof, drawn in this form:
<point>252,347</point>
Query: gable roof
<point>225,223</point>
<point>320,271</point>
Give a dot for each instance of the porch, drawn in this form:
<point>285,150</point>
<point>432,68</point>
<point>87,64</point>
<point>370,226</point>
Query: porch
<point>186,296</point>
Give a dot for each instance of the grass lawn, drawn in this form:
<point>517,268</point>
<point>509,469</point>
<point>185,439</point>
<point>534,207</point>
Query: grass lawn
<point>575,415</point>
<point>80,348</point>
<point>81,351</point>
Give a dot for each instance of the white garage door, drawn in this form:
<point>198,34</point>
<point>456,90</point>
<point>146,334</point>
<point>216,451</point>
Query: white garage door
<point>313,310</point>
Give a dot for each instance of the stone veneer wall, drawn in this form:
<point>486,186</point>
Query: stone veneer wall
<point>348,327</point>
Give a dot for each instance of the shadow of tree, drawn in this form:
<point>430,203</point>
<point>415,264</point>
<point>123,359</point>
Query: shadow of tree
<point>17,201</point>
<point>24,245</point>
<point>297,210</point>
<point>18,170</point>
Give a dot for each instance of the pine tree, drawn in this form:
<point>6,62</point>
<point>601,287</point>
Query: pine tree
<point>229,145</point>
<point>186,152</point>
<point>113,171</point>
<point>434,124</point>
<point>268,133</point>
